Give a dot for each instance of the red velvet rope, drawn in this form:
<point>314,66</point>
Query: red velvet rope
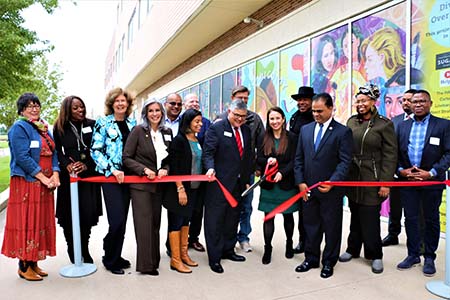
<point>289,202</point>
<point>141,179</point>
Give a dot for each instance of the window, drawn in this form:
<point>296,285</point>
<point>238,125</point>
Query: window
<point>131,29</point>
<point>122,46</point>
<point>149,6</point>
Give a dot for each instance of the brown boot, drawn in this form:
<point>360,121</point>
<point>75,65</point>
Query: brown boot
<point>38,270</point>
<point>29,275</point>
<point>184,247</point>
<point>175,260</point>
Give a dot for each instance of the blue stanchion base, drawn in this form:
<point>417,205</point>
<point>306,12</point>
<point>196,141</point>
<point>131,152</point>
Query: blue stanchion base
<point>439,288</point>
<point>74,271</point>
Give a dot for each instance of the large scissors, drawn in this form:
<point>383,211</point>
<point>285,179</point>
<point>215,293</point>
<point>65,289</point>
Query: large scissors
<point>268,175</point>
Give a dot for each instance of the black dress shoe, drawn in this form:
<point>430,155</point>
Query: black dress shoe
<point>197,246</point>
<point>123,263</point>
<point>217,267</point>
<point>117,271</point>
<point>234,257</point>
<point>327,271</point>
<point>389,240</point>
<point>305,267</point>
<point>300,248</point>
<point>151,272</point>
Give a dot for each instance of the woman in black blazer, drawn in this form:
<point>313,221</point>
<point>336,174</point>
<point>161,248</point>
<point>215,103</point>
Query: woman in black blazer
<point>146,154</point>
<point>180,198</point>
<point>278,147</point>
<point>73,136</point>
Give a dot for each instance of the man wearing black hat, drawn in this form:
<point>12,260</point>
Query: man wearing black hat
<point>301,117</point>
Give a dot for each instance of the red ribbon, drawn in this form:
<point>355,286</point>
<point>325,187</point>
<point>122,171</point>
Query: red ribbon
<point>289,202</point>
<point>173,178</point>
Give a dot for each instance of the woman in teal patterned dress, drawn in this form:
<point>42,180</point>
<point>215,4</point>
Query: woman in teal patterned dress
<point>278,147</point>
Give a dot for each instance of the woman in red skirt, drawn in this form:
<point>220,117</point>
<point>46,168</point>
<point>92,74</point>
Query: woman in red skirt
<point>30,217</point>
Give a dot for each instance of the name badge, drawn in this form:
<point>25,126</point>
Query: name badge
<point>435,141</point>
<point>167,137</point>
<point>34,144</point>
<point>86,129</point>
<point>227,133</point>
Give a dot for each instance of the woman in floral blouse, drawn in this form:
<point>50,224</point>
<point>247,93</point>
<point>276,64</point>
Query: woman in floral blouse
<point>110,134</point>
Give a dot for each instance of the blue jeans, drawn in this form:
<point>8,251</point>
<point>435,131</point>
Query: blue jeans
<point>245,226</point>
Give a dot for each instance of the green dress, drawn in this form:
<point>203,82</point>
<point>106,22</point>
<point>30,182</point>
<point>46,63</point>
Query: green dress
<point>270,199</point>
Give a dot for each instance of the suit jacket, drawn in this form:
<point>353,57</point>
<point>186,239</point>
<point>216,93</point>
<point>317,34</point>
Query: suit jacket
<point>205,126</point>
<point>397,120</point>
<point>285,164</point>
<point>220,153</point>
<point>436,151</point>
<point>139,153</point>
<point>332,159</point>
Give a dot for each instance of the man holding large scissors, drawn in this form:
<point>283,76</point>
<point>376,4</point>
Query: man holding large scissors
<point>324,153</point>
<point>227,154</point>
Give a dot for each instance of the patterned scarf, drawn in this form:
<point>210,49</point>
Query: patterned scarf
<point>42,127</point>
<point>40,124</point>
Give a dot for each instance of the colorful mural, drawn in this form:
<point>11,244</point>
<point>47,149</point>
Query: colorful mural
<point>382,52</point>
<point>246,77</point>
<point>294,73</point>
<point>329,69</point>
<point>228,83</point>
<point>266,84</point>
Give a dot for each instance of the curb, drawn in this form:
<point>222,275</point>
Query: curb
<point>4,199</point>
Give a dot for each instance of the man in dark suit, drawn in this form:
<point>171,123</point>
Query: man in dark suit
<point>395,205</point>
<point>301,117</point>
<point>423,154</point>
<point>324,153</point>
<point>253,120</point>
<point>227,154</point>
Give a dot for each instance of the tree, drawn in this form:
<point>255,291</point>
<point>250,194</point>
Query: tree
<point>41,81</point>
<point>23,66</point>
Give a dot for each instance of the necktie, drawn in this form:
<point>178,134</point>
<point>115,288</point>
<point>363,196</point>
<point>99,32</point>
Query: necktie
<point>318,137</point>
<point>238,141</point>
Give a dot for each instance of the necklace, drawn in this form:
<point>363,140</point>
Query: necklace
<point>79,137</point>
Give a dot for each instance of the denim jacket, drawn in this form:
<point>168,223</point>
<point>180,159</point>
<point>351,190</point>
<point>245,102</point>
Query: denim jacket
<point>25,147</point>
<point>107,146</point>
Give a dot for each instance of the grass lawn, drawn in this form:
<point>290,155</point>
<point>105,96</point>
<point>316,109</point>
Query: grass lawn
<point>4,173</point>
<point>3,144</point>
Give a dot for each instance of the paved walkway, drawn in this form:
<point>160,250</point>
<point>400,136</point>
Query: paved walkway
<point>249,280</point>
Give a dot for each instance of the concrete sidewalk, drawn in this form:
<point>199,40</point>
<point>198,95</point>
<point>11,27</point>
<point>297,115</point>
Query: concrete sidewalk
<point>248,280</point>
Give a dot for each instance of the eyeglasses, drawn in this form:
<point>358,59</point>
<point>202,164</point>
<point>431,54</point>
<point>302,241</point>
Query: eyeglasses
<point>175,104</point>
<point>31,107</point>
<point>420,101</point>
<point>238,116</point>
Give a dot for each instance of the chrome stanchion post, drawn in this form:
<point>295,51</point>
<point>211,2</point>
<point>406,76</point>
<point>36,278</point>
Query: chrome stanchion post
<point>439,287</point>
<point>79,269</point>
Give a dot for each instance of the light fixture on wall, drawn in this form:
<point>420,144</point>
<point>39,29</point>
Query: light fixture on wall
<point>249,20</point>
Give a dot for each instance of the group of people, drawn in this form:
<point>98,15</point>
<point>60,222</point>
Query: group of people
<point>232,149</point>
